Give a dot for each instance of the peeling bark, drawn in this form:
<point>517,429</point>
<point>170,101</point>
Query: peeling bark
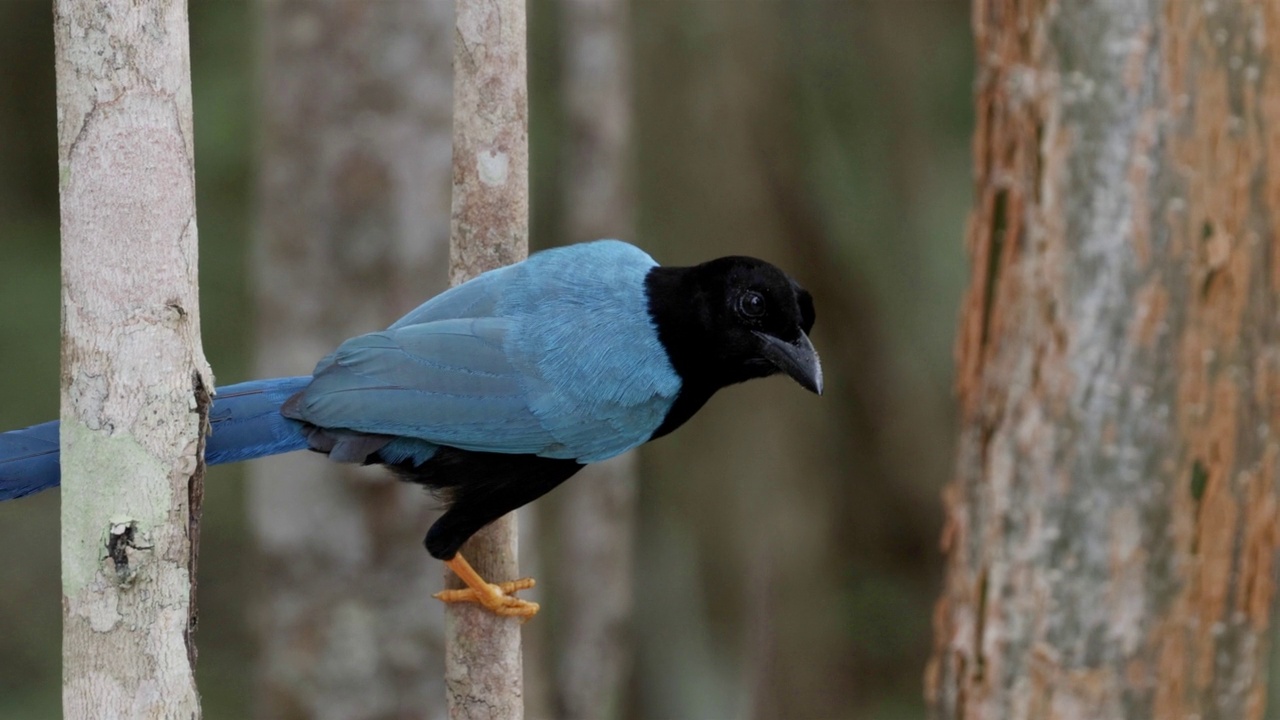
<point>134,405</point>
<point>354,198</point>
<point>490,228</point>
<point>597,510</point>
<point>1112,525</point>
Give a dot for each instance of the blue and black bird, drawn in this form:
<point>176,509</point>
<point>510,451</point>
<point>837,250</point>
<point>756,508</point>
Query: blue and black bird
<point>496,391</point>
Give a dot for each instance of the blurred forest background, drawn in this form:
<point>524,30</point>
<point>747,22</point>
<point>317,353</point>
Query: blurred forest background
<point>787,557</point>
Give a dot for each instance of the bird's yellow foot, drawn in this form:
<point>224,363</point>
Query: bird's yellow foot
<point>497,598</point>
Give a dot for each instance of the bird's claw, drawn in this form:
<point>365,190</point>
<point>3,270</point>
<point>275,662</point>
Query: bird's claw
<point>499,598</point>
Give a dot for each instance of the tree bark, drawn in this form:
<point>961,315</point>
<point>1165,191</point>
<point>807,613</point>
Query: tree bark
<point>134,378</point>
<point>490,229</point>
<point>1112,526</point>
<point>354,198</point>
<point>597,510</point>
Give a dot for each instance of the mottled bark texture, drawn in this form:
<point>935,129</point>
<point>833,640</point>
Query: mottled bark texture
<point>1112,526</point>
<point>597,509</point>
<point>490,214</point>
<point>134,378</point>
<point>354,199</point>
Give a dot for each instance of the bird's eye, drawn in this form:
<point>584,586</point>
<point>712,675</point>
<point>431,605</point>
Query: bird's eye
<point>751,304</point>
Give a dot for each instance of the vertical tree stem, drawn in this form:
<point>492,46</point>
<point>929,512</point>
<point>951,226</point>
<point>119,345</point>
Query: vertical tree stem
<point>597,510</point>
<point>134,378</point>
<point>490,217</point>
<point>354,231</point>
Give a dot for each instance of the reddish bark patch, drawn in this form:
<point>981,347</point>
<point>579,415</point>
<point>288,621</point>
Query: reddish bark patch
<point>1052,403</point>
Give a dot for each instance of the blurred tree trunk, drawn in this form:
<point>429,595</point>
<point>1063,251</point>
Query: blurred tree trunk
<point>1112,525</point>
<point>490,228</point>
<point>354,195</point>
<point>134,377</point>
<point>597,509</point>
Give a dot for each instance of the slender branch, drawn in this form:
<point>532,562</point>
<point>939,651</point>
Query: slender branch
<point>483,673</point>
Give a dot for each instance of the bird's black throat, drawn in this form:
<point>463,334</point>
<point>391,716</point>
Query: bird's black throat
<point>682,301</point>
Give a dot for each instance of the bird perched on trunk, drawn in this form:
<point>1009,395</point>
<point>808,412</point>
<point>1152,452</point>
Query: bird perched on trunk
<point>497,390</point>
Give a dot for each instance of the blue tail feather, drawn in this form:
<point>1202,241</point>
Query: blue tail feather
<point>245,419</point>
<point>247,423</point>
<point>29,460</point>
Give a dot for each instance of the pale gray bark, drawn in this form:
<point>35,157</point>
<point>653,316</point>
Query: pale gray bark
<point>490,229</point>
<point>354,196</point>
<point>597,508</point>
<point>490,138</point>
<point>134,377</point>
<point>1112,527</point>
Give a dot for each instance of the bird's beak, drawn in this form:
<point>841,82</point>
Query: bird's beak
<point>797,359</point>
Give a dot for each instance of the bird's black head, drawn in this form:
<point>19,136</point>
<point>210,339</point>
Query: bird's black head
<point>733,319</point>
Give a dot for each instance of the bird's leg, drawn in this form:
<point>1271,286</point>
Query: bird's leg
<point>498,598</point>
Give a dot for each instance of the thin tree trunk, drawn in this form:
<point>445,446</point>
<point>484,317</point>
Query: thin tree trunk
<point>354,196</point>
<point>592,640</point>
<point>1112,526</point>
<point>597,520</point>
<point>490,229</point>
<point>134,377</point>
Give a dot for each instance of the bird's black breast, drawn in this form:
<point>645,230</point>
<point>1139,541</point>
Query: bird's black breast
<point>480,487</point>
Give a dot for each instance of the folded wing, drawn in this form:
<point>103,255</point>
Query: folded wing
<point>459,383</point>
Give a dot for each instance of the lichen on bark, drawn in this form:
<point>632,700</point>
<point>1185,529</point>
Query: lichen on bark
<point>1111,526</point>
<point>133,373</point>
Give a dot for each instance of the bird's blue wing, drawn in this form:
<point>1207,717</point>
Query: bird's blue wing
<point>604,381</point>
<point>448,382</point>
<point>556,356</point>
<point>460,383</point>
